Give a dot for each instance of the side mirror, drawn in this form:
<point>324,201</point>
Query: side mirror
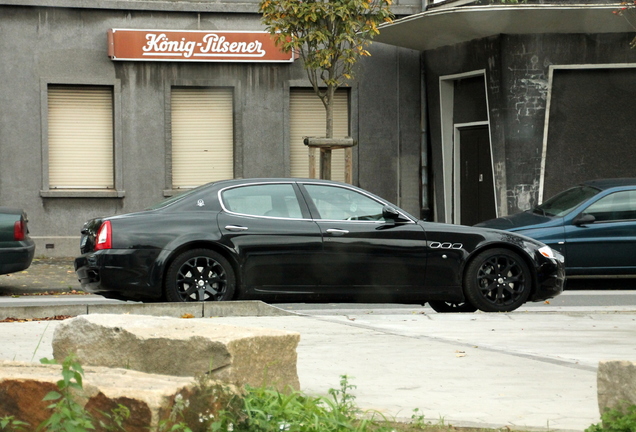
<point>584,219</point>
<point>389,213</point>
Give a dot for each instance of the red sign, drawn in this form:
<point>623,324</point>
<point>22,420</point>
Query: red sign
<point>192,46</point>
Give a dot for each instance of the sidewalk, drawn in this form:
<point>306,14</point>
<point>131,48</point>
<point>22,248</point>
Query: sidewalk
<point>529,370</point>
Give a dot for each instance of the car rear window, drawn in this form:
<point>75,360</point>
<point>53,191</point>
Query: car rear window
<point>271,200</point>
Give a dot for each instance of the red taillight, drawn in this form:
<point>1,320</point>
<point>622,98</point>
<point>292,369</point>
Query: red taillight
<point>104,237</point>
<point>19,230</point>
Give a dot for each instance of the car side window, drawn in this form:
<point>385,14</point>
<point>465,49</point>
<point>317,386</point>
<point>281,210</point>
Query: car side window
<point>614,207</point>
<point>273,200</point>
<point>338,203</point>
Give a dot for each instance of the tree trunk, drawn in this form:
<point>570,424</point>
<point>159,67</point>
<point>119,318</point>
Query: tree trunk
<point>325,154</point>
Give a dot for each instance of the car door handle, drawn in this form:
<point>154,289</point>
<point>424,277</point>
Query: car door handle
<point>236,228</point>
<point>337,232</point>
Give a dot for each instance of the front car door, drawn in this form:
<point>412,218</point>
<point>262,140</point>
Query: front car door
<point>269,228</point>
<point>366,256</point>
<point>606,246</point>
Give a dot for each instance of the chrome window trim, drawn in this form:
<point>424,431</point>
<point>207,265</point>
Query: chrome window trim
<point>363,192</point>
<point>258,183</point>
<point>409,219</point>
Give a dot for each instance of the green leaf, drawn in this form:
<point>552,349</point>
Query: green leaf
<point>53,395</point>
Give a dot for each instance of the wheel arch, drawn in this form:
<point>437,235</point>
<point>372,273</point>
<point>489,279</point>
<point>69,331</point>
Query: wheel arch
<point>512,248</point>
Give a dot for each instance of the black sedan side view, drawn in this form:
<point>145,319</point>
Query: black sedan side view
<point>309,241</point>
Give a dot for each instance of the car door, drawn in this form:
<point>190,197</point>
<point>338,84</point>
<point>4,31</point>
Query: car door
<point>366,256</point>
<point>277,243</point>
<point>605,244</point>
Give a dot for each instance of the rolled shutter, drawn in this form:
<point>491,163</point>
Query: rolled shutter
<point>308,118</point>
<point>202,136</point>
<point>80,137</point>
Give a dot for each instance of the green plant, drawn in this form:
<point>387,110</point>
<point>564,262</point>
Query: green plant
<point>11,424</point>
<point>67,414</point>
<point>617,420</point>
<point>116,419</point>
<point>267,410</point>
<point>417,419</point>
<point>176,422</point>
<point>40,341</point>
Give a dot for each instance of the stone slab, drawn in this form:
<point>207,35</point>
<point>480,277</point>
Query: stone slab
<point>182,347</point>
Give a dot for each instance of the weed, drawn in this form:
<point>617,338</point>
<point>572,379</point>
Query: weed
<point>11,424</point>
<point>67,415</point>
<point>617,420</point>
<point>40,341</point>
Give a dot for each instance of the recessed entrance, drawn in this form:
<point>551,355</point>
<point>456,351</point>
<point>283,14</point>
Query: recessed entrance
<point>473,176</point>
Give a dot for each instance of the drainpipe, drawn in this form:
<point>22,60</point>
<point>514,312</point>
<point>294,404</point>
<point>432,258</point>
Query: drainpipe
<point>425,210</point>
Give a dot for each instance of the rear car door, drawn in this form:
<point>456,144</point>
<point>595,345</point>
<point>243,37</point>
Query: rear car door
<point>608,245</point>
<point>276,241</point>
<point>366,256</point>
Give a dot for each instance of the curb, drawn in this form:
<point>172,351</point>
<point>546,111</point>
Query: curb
<point>196,310</point>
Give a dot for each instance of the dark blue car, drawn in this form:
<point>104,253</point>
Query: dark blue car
<point>593,225</point>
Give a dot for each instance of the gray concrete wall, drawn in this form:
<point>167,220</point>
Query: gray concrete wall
<point>42,45</point>
<point>518,88</point>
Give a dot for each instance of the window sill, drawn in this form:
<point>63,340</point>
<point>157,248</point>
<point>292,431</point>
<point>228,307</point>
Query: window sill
<point>82,193</point>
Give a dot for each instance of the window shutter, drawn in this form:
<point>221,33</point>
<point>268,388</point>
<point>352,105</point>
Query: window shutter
<point>80,137</point>
<point>308,118</point>
<point>202,136</point>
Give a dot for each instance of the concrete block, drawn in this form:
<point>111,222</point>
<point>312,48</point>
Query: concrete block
<point>616,384</point>
<point>182,347</point>
<point>149,397</point>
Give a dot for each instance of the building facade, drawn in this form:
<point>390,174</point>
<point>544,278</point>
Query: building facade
<point>521,100</point>
<point>87,133</point>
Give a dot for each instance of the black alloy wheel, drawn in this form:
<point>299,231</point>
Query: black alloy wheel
<point>497,280</point>
<point>199,275</point>
<point>450,307</point>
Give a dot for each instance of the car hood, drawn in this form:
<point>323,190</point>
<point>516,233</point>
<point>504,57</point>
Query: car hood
<point>516,221</point>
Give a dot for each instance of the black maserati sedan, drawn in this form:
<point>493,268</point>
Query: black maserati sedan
<point>309,240</point>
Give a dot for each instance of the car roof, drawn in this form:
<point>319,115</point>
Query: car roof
<point>610,183</point>
<point>273,180</point>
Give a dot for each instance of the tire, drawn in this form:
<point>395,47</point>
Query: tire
<point>449,307</point>
<point>199,275</point>
<point>497,280</point>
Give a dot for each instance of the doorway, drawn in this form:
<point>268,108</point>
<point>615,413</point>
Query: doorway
<point>474,184</point>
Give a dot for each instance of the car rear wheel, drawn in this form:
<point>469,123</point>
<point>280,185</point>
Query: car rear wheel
<point>446,307</point>
<point>199,275</point>
<point>497,280</point>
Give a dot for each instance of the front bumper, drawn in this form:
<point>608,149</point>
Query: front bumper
<point>121,273</point>
<point>550,277</point>
<point>16,258</point>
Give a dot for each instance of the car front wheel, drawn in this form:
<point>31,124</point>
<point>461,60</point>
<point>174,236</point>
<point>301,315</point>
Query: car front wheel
<point>199,275</point>
<point>497,280</point>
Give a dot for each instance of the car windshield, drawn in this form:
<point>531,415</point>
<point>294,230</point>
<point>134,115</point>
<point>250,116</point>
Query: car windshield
<point>564,202</point>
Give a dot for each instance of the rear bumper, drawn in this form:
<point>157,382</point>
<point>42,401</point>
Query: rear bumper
<point>16,258</point>
<point>122,273</point>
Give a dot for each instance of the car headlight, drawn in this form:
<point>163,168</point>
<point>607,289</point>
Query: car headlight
<point>547,252</point>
